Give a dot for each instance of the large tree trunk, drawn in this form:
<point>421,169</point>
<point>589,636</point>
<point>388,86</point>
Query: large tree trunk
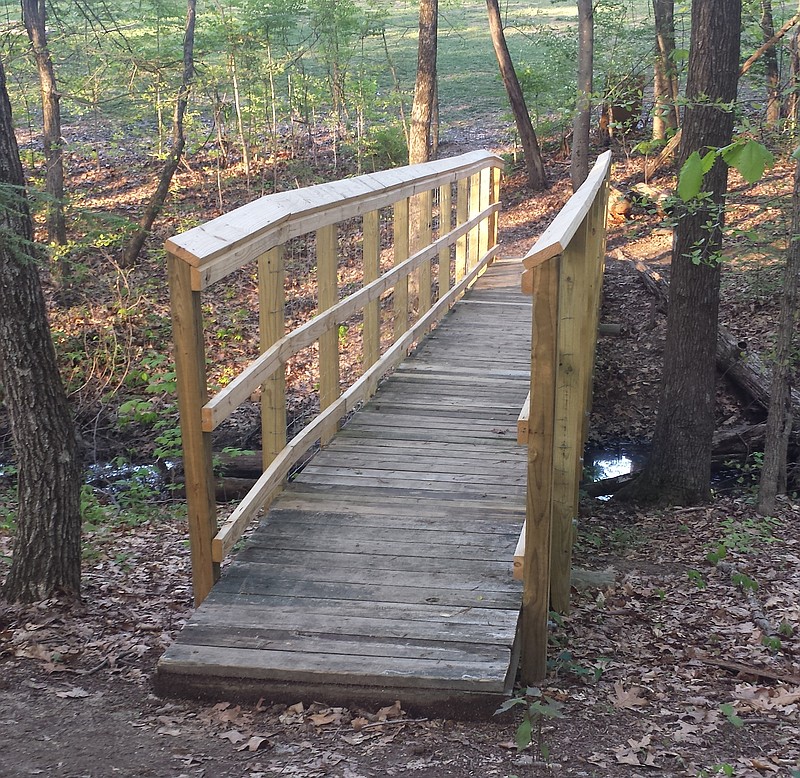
<point>422,109</point>
<point>679,469</point>
<point>779,420</point>
<point>665,113</point>
<point>35,20</point>
<point>47,548</point>
<point>771,67</point>
<point>579,168</point>
<point>537,177</point>
<point>159,197</point>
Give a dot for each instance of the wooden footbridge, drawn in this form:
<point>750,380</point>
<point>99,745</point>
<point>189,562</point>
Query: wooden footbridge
<point>389,567</point>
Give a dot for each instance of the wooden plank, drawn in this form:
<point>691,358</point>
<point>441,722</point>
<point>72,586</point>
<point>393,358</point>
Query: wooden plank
<point>189,350</point>
<point>299,667</point>
<point>424,236</point>
<point>484,197</point>
<point>536,570</point>
<point>401,253</point>
<point>518,565</point>
<point>445,225</point>
<point>272,325</point>
<point>327,297</point>
<point>371,259</point>
<point>462,217</point>
<point>473,239</point>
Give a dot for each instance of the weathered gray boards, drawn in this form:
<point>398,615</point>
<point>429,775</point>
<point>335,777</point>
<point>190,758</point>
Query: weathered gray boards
<point>383,571</point>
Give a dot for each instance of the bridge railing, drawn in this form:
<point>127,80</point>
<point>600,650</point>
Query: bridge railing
<point>409,220</point>
<point>564,273</point>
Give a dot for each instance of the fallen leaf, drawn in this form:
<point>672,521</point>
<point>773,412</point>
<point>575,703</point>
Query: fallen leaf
<point>255,743</point>
<point>75,692</point>
<point>233,735</point>
<point>627,699</point>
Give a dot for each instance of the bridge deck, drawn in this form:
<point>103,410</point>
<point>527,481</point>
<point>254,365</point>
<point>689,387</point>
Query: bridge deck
<point>383,570</point>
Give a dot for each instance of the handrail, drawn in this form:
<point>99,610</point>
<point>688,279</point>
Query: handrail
<point>564,273</point>
<point>217,248</point>
<point>465,242</point>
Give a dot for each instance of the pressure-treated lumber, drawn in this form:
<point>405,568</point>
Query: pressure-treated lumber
<point>221,246</point>
<point>327,297</point>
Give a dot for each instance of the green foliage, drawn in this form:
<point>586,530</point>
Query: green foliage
<point>696,577</point>
<point>729,713</point>
<point>536,708</point>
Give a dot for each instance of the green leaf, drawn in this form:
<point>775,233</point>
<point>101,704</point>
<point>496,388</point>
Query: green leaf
<point>509,704</point>
<point>709,159</point>
<point>728,712</point>
<point>524,733</point>
<point>678,55</point>
<point>750,158</point>
<point>690,179</point>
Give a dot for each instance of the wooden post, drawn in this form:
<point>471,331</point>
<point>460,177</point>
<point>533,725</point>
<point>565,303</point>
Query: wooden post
<point>536,565</point>
<point>462,217</point>
<point>572,378</point>
<point>445,225</point>
<point>328,296</point>
<point>272,326</point>
<point>190,361</point>
<point>424,233</point>
<point>371,254</point>
<point>473,242</point>
<point>401,253</point>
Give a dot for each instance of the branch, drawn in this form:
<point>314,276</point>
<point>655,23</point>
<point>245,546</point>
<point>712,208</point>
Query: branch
<point>767,45</point>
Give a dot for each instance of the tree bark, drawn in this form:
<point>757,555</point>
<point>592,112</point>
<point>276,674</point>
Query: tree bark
<point>779,419</point>
<point>34,17</point>
<point>159,197</point>
<point>537,177</point>
<point>771,67</point>
<point>679,468</point>
<point>47,547</point>
<point>422,109</point>
<point>665,113</point>
<point>579,168</point>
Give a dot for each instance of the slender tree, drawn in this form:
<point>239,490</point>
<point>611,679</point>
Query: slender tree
<point>665,113</point>
<point>780,417</point>
<point>771,66</point>
<point>679,468</point>
<point>159,197</point>
<point>579,168</point>
<point>47,548</point>
<point>537,176</point>
<point>34,17</point>
<point>422,109</point>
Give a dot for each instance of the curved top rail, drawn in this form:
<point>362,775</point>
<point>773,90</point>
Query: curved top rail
<point>224,244</point>
<point>557,236</point>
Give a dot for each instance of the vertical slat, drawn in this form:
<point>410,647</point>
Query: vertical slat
<point>272,326</point>
<point>572,378</point>
<point>445,225</point>
<point>484,196</point>
<point>371,258</point>
<point>187,329</point>
<point>424,235</point>
<point>538,509</point>
<point>474,210</point>
<point>327,296</point>
<point>462,216</point>
<point>401,253</point>
<point>494,197</point>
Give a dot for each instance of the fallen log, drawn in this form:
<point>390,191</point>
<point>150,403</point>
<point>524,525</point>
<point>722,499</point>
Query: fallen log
<point>741,367</point>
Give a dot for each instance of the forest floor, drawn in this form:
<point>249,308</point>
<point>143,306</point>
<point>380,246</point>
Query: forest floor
<point>671,663</point>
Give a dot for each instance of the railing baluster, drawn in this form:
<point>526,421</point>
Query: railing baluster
<point>328,296</point>
<point>474,209</point>
<point>462,217</point>
<point>445,225</point>
<point>424,232</point>
<point>401,252</point>
<point>371,253</point>
<point>272,326</point>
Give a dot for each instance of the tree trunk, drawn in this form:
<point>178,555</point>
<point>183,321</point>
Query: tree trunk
<point>47,548</point>
<point>665,113</point>
<point>35,21</point>
<point>419,138</point>
<point>159,197</point>
<point>779,420</point>
<point>579,168</point>
<point>537,177</point>
<point>771,67</point>
<point>679,468</point>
